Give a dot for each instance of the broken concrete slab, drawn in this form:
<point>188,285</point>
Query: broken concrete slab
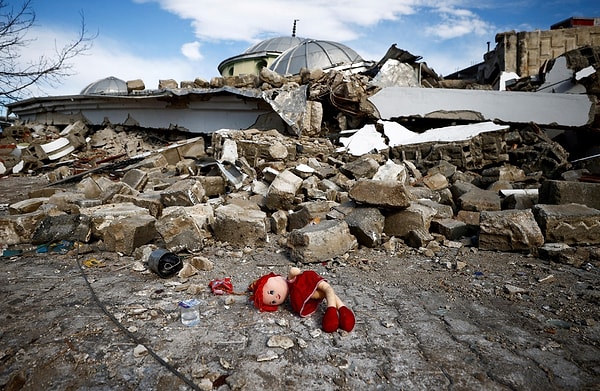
<point>514,107</point>
<point>567,192</point>
<point>73,227</point>
<point>414,218</point>
<point>320,242</point>
<point>478,200</point>
<point>126,235</point>
<point>186,192</point>
<point>17,229</point>
<point>383,194</point>
<point>240,226</point>
<point>282,191</point>
<point>569,223</point>
<point>366,224</point>
<point>185,228</point>
<point>509,230</point>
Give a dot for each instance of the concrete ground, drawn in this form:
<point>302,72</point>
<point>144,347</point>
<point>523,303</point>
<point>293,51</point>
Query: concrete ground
<point>499,321</point>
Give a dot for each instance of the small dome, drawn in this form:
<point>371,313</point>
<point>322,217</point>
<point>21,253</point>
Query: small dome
<point>109,85</point>
<point>278,44</point>
<point>314,54</point>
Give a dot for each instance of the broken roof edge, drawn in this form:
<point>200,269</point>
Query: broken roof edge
<point>561,110</point>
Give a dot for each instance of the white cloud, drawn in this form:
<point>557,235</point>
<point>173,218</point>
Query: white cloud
<point>106,58</point>
<point>251,20</point>
<point>457,23</point>
<point>191,50</point>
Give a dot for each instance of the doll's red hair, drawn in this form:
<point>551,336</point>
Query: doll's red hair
<point>257,293</point>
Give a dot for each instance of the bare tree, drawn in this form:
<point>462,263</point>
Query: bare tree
<point>16,77</point>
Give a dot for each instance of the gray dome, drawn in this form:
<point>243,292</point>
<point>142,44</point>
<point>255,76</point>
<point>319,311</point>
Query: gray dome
<point>109,85</point>
<point>314,54</point>
<point>278,44</point>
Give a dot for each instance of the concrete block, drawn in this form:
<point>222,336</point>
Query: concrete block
<point>436,181</point>
<point>74,227</point>
<point>418,238</point>
<point>27,206</point>
<point>451,229</point>
<point>566,192</point>
<point>17,229</point>
<point>127,234</point>
<point>279,222</point>
<point>103,215</point>
<point>66,201</point>
<point>382,194</point>
<point>569,223</point>
<point>320,242</point>
<point>509,230</point>
<point>308,212</point>
<point>214,186</point>
<point>441,211</point>
<point>185,228</point>
<point>282,191</point>
<point>193,149</point>
<point>240,226</point>
<point>366,224</point>
<point>478,200</point>
<point>153,205</point>
<point>363,167</point>
<point>415,217</point>
<point>186,192</point>
<point>135,178</point>
<point>89,187</point>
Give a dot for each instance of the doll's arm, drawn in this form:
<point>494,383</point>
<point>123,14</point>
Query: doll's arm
<point>294,271</point>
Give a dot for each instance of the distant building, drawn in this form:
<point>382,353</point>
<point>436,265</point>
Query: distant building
<point>263,54</point>
<point>523,53</point>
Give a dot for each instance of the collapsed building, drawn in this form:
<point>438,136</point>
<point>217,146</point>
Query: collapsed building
<point>374,154</point>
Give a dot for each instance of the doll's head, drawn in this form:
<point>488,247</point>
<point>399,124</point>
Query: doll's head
<point>268,292</point>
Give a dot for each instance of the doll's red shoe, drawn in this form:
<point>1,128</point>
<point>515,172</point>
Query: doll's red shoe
<point>331,321</point>
<point>347,319</point>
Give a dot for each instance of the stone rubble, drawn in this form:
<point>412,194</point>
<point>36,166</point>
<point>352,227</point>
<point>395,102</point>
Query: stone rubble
<point>242,187</point>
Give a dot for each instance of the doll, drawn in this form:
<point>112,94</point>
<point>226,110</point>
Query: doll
<point>306,290</point>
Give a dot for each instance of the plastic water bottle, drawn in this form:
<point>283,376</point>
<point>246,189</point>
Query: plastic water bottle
<point>190,312</point>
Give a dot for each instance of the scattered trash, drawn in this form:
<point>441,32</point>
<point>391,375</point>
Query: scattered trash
<point>164,263</point>
<point>190,312</point>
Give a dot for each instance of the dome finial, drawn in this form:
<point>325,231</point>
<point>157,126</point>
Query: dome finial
<point>294,29</point>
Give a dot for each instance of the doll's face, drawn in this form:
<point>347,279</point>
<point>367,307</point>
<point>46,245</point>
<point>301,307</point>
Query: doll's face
<point>275,291</point>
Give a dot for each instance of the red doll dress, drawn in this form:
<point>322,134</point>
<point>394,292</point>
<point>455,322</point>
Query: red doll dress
<point>302,288</point>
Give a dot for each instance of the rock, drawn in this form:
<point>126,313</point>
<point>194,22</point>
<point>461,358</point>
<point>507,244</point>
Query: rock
<point>451,229</point>
<point>414,218</point>
<point>382,194</point>
<point>135,178</point>
<point>240,226</point>
<point>282,191</point>
<point>102,216</point>
<point>17,229</point>
<point>280,341</point>
<point>478,200</point>
<point>366,224</point>
<point>363,167</point>
<point>308,212</point>
<point>187,192</point>
<point>320,242</point>
<point>126,234</point>
<point>567,192</point>
<point>435,181</point>
<point>391,172</point>
<point>569,223</point>
<point>185,227</point>
<point>511,230</point>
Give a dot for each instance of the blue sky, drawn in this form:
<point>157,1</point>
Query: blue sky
<point>185,39</point>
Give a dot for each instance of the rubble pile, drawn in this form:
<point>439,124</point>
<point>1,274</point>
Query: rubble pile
<point>511,189</point>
